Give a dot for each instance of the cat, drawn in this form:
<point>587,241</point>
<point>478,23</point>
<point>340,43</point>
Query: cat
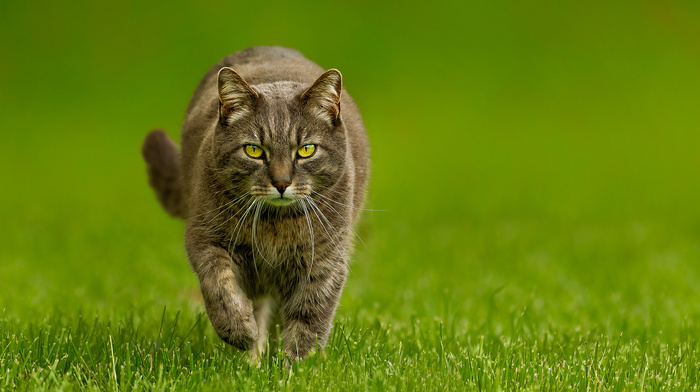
<point>271,179</point>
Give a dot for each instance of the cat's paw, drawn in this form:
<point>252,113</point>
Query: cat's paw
<point>240,331</point>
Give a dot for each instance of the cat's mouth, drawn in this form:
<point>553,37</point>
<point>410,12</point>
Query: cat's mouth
<point>281,201</point>
<point>281,196</point>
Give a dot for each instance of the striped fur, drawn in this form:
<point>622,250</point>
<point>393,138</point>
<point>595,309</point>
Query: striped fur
<point>256,248</point>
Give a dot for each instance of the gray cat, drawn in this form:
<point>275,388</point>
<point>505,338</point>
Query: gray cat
<point>271,180</point>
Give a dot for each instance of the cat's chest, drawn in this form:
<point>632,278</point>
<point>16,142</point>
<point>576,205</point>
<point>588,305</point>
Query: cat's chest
<point>272,255</point>
<point>271,240</point>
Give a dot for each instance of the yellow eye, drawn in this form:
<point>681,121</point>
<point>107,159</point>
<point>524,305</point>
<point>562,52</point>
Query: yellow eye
<point>306,151</point>
<point>253,151</point>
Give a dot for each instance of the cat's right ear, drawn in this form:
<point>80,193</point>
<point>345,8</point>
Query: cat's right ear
<point>236,97</point>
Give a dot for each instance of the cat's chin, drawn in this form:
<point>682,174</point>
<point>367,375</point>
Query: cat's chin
<point>280,202</point>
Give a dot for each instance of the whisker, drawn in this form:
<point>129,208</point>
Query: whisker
<point>224,223</point>
<point>221,206</point>
<point>256,216</point>
<point>239,225</point>
<point>228,206</point>
<point>311,232</point>
<point>315,208</point>
<point>346,222</point>
<point>353,207</point>
<point>215,168</point>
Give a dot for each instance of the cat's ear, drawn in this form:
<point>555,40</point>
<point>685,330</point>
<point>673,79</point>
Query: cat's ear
<point>236,97</point>
<point>323,97</point>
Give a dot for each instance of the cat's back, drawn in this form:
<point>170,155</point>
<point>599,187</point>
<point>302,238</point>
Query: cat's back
<point>258,65</point>
<point>269,64</point>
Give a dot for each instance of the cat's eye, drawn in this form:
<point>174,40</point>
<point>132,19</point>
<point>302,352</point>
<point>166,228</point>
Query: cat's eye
<point>306,151</point>
<point>253,151</point>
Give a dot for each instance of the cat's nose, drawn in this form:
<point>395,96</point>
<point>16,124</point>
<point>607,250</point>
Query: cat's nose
<point>281,185</point>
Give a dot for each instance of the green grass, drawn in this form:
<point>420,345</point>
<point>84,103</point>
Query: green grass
<point>538,163</point>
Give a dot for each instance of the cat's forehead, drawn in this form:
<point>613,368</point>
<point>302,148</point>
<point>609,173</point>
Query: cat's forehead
<point>276,117</point>
<point>280,91</point>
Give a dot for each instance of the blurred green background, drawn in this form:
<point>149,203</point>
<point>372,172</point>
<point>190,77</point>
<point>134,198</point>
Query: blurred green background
<point>531,156</point>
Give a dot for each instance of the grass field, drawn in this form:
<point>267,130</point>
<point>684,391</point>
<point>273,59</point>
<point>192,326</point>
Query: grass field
<point>538,164</point>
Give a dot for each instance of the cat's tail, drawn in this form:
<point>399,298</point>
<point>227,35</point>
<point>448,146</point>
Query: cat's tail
<point>162,157</point>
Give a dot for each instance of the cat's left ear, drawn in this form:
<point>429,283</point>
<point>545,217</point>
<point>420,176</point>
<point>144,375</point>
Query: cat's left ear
<point>236,97</point>
<point>323,97</point>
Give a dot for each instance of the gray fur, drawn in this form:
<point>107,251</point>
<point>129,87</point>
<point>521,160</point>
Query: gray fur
<point>248,251</point>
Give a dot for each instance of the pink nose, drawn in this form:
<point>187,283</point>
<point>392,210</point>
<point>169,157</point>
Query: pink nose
<point>281,185</point>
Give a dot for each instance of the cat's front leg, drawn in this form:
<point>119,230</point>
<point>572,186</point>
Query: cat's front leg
<point>230,311</point>
<point>309,310</point>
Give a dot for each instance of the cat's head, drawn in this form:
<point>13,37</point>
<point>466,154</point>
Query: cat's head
<point>280,141</point>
